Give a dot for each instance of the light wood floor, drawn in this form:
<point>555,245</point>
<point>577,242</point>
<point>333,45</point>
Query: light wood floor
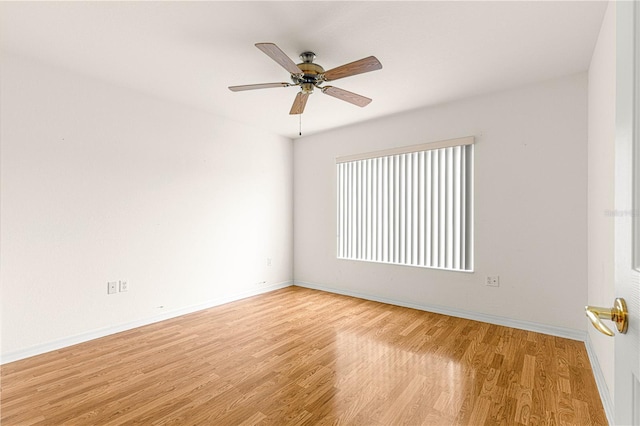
<point>299,356</point>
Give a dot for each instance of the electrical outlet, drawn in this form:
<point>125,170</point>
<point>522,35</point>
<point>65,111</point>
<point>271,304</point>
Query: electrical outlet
<point>112,287</point>
<point>124,286</point>
<point>493,281</point>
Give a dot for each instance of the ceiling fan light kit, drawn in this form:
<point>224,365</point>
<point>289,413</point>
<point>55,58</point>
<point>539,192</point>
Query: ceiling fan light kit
<point>308,76</point>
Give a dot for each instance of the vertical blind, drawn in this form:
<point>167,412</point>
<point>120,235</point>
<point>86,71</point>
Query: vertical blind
<point>408,206</point>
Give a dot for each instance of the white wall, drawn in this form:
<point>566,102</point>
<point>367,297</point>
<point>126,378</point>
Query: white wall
<point>102,183</point>
<point>601,154</point>
<point>530,211</point>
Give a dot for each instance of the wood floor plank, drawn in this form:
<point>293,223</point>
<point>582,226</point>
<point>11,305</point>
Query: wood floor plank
<point>303,357</point>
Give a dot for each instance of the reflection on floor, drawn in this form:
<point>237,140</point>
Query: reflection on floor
<point>299,356</point>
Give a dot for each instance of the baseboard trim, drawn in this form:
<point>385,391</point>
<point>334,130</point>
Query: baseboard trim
<point>567,333</point>
<point>96,334</point>
<point>601,383</point>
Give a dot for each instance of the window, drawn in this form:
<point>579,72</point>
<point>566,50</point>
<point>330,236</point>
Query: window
<point>408,206</point>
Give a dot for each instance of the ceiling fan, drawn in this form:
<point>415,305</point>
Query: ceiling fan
<point>309,75</point>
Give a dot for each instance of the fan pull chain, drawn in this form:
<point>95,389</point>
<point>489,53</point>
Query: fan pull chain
<point>300,126</point>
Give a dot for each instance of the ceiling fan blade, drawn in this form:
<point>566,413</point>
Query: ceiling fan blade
<point>274,52</point>
<point>257,86</point>
<point>358,67</point>
<point>347,96</point>
<point>299,103</point>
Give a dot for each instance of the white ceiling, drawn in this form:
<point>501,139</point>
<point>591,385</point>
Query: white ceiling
<point>189,52</point>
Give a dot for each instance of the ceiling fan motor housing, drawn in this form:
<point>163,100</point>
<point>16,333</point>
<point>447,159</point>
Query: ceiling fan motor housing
<point>311,73</point>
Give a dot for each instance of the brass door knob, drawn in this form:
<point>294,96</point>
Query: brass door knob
<point>618,314</point>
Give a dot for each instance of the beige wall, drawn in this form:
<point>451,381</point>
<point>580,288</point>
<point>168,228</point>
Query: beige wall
<point>101,183</point>
<point>602,132</point>
<point>530,205</point>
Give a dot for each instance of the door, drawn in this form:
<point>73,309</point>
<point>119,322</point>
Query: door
<point>627,208</point>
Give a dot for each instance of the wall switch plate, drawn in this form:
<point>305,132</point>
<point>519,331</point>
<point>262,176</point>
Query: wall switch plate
<point>269,261</point>
<point>112,287</point>
<point>124,286</point>
<point>493,281</point>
